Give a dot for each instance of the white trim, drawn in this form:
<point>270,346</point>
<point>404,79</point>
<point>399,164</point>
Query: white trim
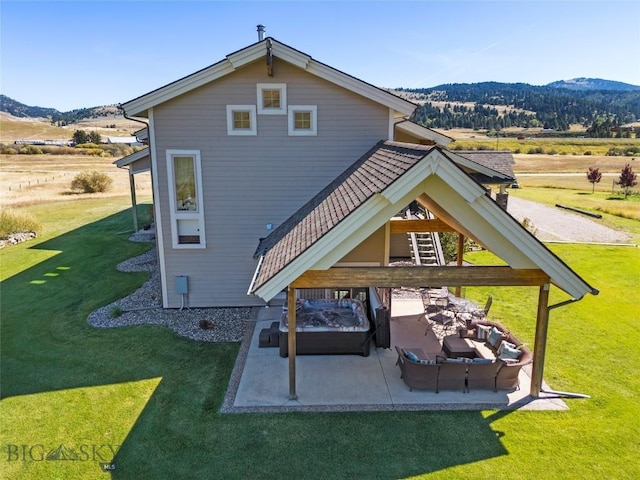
<point>175,215</point>
<point>253,120</point>
<point>424,133</point>
<point>313,131</point>
<point>139,106</point>
<point>134,157</point>
<point>157,207</point>
<point>282,87</point>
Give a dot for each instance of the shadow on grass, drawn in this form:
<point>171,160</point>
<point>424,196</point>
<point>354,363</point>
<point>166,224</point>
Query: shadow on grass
<point>47,346</point>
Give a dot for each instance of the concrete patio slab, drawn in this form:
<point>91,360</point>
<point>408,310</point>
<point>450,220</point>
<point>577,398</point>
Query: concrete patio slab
<point>260,381</point>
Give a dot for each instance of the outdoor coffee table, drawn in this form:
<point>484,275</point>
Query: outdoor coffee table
<point>454,346</point>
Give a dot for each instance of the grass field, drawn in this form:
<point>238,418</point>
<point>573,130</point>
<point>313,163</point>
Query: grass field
<point>35,179</point>
<point>153,397</point>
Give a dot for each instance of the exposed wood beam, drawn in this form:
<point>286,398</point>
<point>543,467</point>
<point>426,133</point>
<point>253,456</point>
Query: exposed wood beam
<point>418,225</point>
<point>416,277</point>
<point>460,260</point>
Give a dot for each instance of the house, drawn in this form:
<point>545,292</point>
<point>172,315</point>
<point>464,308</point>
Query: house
<point>272,148</point>
<point>236,148</point>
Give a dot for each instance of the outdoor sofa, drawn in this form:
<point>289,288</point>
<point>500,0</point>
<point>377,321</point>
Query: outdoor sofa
<point>488,367</point>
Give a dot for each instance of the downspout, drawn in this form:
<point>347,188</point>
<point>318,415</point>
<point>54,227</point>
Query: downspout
<point>555,392</point>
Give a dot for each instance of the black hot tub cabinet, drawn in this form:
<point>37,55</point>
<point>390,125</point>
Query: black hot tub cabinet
<point>327,327</point>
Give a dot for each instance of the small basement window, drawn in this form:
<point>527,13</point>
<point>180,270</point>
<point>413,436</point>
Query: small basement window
<point>303,120</point>
<point>272,98</point>
<point>241,120</point>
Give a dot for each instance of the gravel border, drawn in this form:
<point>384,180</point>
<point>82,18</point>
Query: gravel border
<point>143,307</point>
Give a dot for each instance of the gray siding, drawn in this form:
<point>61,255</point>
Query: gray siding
<point>250,181</point>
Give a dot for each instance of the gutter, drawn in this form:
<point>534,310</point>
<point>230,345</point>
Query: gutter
<point>557,393</point>
<point>255,276</point>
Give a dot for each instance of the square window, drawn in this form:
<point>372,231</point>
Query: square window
<point>303,120</point>
<point>272,98</point>
<point>241,120</point>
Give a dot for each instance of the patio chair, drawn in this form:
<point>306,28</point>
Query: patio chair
<point>480,313</point>
<point>452,376</point>
<point>482,376</point>
<point>417,375</point>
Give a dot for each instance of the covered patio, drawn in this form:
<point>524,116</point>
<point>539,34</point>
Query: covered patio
<point>341,238</point>
<point>260,379</point>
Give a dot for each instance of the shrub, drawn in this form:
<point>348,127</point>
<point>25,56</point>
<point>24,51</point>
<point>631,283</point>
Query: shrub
<point>12,222</point>
<point>528,224</point>
<point>552,152</point>
<point>91,182</point>
<point>536,150</point>
<point>30,150</point>
<point>588,152</point>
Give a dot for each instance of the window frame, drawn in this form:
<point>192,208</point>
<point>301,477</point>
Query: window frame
<point>296,132</point>
<point>186,215</point>
<point>282,110</point>
<point>253,128</point>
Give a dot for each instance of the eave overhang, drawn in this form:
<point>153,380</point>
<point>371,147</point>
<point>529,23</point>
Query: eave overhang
<point>139,106</point>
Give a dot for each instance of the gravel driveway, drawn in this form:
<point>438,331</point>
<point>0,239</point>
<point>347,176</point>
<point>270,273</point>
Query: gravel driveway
<point>553,224</point>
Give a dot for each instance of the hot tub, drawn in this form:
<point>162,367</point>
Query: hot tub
<point>327,326</point>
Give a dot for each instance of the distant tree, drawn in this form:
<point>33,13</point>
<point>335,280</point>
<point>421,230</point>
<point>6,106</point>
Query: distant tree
<point>627,179</point>
<point>594,176</point>
<point>80,137</point>
<point>94,137</point>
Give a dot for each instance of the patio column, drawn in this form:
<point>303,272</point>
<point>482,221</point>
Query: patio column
<point>540,345</point>
<point>460,260</point>
<point>291,317</point>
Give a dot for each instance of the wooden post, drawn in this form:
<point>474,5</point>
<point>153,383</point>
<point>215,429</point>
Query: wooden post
<point>291,317</point>
<point>540,345</point>
<point>460,260</point>
<point>134,203</point>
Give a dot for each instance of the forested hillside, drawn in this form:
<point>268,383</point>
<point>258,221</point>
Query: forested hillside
<point>495,106</point>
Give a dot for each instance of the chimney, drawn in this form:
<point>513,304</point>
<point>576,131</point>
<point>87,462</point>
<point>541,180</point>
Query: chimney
<point>261,29</point>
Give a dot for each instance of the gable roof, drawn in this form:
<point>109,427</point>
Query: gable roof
<point>234,61</point>
<point>371,191</point>
<point>423,132</point>
<point>490,166</point>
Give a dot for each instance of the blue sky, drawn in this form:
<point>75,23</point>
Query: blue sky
<point>73,54</point>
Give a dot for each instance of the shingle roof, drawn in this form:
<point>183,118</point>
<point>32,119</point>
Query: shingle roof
<point>371,174</point>
<point>499,160</point>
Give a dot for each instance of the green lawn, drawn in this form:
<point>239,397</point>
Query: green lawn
<point>158,395</point>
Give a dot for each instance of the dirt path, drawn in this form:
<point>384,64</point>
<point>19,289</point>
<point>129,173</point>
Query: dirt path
<point>554,224</point>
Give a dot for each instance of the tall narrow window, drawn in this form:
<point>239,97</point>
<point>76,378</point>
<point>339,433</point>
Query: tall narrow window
<point>241,120</point>
<point>185,184</point>
<point>185,195</point>
<point>272,98</point>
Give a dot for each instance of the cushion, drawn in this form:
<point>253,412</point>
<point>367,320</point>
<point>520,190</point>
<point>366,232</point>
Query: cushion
<point>455,360</point>
<point>509,353</point>
<point>482,360</point>
<point>483,332</point>
<point>427,362</point>
<point>495,335</point>
<point>411,356</point>
<point>505,344</point>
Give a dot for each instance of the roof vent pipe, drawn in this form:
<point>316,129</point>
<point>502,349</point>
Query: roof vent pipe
<point>261,30</point>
